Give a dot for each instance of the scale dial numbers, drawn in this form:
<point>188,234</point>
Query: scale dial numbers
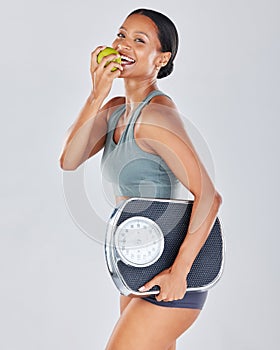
<point>139,241</point>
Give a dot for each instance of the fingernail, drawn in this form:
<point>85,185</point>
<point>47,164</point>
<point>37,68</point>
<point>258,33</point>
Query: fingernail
<point>142,289</point>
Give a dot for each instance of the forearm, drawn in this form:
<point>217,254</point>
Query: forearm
<point>89,128</point>
<point>204,214</point>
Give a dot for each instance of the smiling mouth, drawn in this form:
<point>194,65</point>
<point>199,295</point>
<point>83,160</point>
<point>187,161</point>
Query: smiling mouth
<point>126,60</point>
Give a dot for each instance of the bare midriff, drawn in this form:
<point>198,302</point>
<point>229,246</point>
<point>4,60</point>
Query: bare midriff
<point>121,198</point>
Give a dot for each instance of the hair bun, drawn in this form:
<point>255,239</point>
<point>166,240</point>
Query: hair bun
<point>166,70</point>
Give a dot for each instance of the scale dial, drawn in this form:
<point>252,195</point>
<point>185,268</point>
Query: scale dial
<point>139,241</point>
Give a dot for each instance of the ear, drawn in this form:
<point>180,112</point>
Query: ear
<point>163,59</point>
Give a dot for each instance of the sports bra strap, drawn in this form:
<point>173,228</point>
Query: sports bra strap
<point>139,108</point>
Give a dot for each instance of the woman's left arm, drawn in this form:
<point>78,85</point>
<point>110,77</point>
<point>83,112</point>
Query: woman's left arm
<point>166,136</point>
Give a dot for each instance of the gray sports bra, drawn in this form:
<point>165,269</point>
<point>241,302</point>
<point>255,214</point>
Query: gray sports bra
<point>132,171</point>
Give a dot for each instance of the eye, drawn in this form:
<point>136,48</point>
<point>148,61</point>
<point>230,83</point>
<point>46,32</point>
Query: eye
<point>139,40</point>
<point>120,35</point>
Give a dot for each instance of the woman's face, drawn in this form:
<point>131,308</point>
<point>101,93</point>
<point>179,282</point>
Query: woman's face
<point>137,42</point>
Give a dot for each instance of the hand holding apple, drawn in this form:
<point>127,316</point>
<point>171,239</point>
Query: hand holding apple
<point>103,74</point>
<point>106,52</point>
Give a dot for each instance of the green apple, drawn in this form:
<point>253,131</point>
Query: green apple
<point>109,51</point>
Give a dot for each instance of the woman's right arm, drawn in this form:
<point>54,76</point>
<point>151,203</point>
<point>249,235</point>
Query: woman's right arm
<point>86,136</point>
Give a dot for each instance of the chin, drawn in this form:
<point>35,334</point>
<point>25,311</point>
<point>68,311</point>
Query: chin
<point>125,73</point>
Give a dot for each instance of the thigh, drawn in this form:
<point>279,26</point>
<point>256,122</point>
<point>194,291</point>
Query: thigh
<point>124,301</point>
<point>144,325</point>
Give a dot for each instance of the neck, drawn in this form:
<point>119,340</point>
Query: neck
<point>136,91</point>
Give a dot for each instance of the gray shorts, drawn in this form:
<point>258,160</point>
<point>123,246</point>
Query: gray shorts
<point>191,300</point>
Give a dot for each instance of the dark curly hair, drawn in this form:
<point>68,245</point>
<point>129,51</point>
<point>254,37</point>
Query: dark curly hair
<point>167,34</point>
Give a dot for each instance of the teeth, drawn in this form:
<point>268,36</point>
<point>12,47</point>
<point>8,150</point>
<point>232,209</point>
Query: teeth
<point>125,58</point>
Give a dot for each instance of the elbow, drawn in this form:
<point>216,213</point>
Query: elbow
<point>218,198</point>
<point>66,166</point>
<point>213,197</point>
<point>69,168</point>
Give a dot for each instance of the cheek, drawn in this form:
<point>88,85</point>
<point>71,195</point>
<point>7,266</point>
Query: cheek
<point>115,43</point>
<point>152,57</point>
<point>147,54</point>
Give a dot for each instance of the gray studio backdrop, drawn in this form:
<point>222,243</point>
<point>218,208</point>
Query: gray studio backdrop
<point>55,291</point>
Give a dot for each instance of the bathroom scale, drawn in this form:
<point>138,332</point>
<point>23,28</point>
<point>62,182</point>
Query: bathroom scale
<point>143,237</point>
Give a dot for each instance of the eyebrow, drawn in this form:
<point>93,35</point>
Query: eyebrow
<point>138,32</point>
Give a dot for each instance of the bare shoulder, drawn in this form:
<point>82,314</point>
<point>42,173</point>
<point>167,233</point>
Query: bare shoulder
<point>163,100</point>
<point>162,114</point>
<point>112,105</point>
<point>115,101</point>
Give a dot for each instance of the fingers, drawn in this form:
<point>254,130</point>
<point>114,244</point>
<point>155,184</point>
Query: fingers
<point>148,285</point>
<point>161,297</point>
<point>170,296</point>
<point>166,293</point>
<point>103,73</point>
<point>109,58</point>
<point>94,54</point>
<point>107,61</point>
<point>111,66</point>
<point>164,297</point>
<point>170,288</point>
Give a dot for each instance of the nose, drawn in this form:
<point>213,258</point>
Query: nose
<point>123,46</point>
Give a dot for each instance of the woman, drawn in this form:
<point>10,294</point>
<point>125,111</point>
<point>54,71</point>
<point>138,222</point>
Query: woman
<point>147,43</point>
